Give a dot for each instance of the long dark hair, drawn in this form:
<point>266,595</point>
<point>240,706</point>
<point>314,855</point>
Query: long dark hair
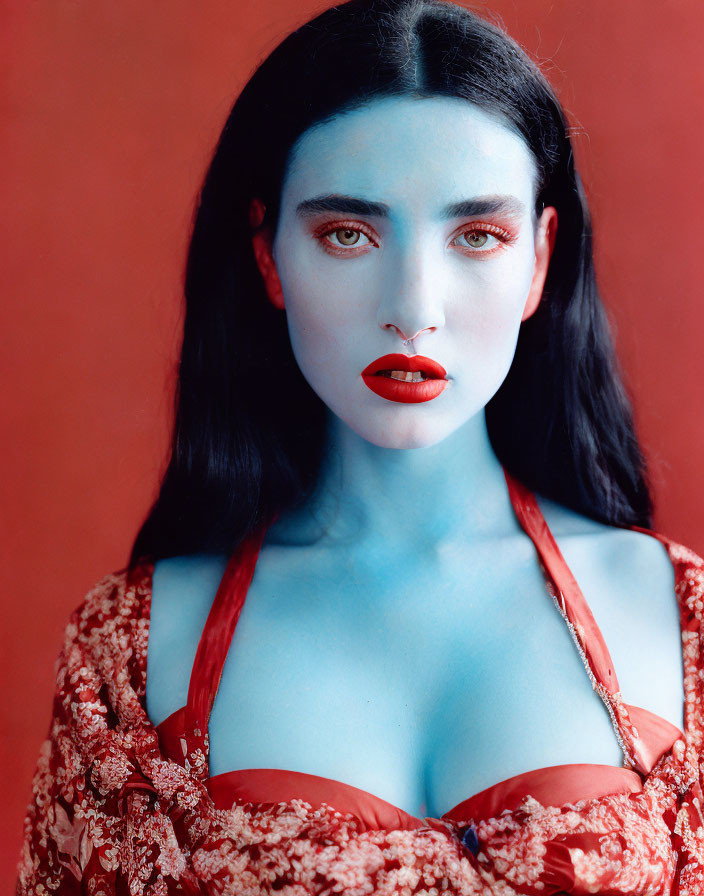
<point>249,431</point>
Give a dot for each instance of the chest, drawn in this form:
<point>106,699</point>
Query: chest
<point>427,679</point>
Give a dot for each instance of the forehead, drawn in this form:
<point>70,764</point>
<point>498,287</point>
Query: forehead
<point>406,150</point>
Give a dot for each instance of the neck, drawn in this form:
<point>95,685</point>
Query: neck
<point>455,488</point>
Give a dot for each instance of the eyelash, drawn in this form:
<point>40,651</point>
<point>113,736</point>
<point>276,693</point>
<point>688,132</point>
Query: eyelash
<point>503,236</point>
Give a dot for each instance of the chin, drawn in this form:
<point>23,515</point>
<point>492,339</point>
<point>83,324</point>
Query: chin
<point>400,433</point>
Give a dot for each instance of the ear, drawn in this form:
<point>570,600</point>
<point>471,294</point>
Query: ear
<point>262,243</point>
<point>544,244</point>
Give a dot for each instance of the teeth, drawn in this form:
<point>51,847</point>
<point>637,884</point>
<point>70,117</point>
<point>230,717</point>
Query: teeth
<point>406,376</point>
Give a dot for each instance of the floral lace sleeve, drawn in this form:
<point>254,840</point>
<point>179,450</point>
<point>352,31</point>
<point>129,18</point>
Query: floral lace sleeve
<point>96,822</point>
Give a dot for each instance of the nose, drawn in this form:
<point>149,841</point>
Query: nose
<point>412,299</point>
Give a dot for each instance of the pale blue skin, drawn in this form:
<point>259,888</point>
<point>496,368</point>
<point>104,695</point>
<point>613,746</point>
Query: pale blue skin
<point>398,635</point>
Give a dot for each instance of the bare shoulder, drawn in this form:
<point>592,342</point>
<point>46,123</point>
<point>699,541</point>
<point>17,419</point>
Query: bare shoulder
<point>628,579</point>
<point>190,579</point>
<point>628,555</point>
<point>632,569</point>
<point>183,589</point>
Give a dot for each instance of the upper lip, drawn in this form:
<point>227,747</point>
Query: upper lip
<point>406,362</point>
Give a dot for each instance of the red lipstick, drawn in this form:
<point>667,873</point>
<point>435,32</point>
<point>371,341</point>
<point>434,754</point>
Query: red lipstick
<point>428,381</point>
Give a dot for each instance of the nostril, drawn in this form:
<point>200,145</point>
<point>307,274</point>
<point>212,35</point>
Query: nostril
<point>407,340</point>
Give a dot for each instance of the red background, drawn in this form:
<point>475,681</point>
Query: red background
<point>110,113</point>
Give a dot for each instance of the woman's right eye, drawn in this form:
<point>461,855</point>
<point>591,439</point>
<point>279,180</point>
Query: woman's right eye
<point>343,239</point>
<point>348,237</point>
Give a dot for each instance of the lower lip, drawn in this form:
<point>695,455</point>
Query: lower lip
<point>407,393</point>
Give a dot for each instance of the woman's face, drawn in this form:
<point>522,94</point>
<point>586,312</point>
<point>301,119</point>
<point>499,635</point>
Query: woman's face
<point>407,219</point>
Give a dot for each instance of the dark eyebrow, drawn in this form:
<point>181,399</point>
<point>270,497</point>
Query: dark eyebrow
<point>346,205</point>
<point>484,205</point>
<point>467,208</point>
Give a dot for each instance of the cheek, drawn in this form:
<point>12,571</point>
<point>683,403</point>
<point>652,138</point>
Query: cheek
<point>323,315</point>
<point>489,301</point>
<point>485,318</point>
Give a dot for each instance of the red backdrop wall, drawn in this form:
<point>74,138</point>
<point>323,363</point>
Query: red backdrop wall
<point>110,113</point>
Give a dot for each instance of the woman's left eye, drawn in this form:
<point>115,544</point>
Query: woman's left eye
<point>477,239</point>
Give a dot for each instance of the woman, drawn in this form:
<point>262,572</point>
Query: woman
<point>393,342</point>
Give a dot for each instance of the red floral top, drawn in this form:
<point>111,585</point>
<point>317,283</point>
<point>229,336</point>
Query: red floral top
<point>119,809</point>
